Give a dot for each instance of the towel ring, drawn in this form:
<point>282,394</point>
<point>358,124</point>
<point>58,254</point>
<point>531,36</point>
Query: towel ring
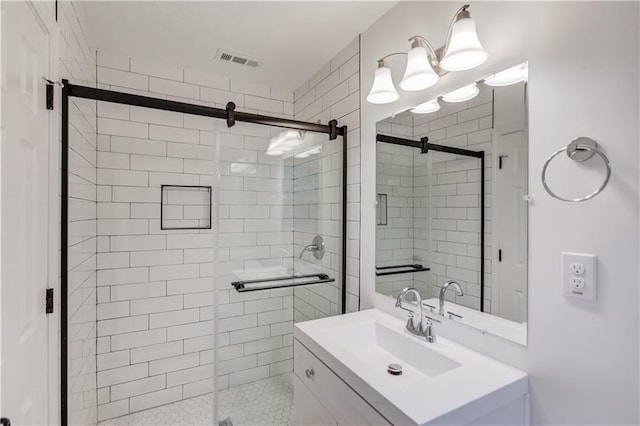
<point>580,149</point>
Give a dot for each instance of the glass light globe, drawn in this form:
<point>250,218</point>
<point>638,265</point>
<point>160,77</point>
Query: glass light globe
<point>464,50</point>
<point>426,108</point>
<point>419,73</point>
<point>509,76</point>
<point>462,94</point>
<point>382,91</point>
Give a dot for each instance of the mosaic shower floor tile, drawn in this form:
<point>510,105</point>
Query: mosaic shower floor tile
<point>263,403</point>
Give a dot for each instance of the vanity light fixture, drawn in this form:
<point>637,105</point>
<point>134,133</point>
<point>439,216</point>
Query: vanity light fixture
<point>462,94</point>
<point>509,76</point>
<point>463,50</point>
<point>426,108</point>
<point>382,91</point>
<point>419,73</point>
<point>425,64</point>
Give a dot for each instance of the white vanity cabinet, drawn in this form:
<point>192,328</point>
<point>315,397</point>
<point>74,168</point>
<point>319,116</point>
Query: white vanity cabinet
<point>309,409</point>
<point>341,366</point>
<point>322,398</point>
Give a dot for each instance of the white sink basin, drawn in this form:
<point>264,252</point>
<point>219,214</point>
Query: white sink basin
<point>442,382</point>
<point>378,346</point>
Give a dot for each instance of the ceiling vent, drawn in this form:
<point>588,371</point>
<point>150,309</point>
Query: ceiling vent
<point>237,58</point>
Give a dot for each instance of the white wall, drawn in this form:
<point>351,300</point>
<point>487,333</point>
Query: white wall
<point>583,65</point>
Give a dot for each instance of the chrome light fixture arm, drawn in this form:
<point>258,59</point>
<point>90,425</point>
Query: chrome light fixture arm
<point>418,40</point>
<point>382,62</point>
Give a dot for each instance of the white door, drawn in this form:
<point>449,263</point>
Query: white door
<point>24,187</point>
<point>510,227</point>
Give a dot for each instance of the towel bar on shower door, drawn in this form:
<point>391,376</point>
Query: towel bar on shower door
<point>241,286</point>
<point>412,268</point>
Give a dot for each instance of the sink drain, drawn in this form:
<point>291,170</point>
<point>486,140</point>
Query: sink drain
<point>394,369</point>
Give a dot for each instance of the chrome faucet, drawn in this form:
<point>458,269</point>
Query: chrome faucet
<point>443,290</point>
<point>424,327</point>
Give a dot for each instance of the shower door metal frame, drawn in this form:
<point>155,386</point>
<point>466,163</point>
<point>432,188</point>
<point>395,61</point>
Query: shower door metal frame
<point>424,146</point>
<point>231,116</point>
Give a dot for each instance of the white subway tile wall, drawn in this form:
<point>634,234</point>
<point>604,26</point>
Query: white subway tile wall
<point>332,93</point>
<point>156,288</point>
<point>77,62</point>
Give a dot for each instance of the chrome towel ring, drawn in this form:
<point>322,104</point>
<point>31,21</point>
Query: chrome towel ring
<point>580,149</point>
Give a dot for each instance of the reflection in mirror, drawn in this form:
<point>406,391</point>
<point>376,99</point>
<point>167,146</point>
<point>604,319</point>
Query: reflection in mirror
<point>452,186</point>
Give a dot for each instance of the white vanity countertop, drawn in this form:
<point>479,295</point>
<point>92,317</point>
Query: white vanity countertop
<point>514,331</point>
<point>467,386</point>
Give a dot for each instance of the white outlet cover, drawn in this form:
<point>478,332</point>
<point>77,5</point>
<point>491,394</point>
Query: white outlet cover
<point>589,276</point>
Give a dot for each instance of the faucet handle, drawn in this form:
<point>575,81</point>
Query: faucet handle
<point>410,326</point>
<point>428,331</point>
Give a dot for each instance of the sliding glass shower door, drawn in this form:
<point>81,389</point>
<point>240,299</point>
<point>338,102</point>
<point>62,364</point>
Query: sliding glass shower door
<point>191,245</point>
<point>280,215</point>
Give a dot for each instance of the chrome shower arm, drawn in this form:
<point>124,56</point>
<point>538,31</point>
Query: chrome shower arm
<point>316,246</point>
<point>310,247</point>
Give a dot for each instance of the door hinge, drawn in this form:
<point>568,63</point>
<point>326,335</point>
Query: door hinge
<point>500,255</point>
<point>500,157</point>
<point>49,91</point>
<point>49,301</point>
<point>50,96</point>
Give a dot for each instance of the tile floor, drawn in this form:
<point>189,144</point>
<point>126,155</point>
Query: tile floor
<point>263,403</point>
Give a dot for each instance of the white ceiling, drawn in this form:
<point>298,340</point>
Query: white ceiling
<point>292,39</point>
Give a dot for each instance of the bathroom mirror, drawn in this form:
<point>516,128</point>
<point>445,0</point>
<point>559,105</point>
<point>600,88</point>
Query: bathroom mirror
<point>451,184</point>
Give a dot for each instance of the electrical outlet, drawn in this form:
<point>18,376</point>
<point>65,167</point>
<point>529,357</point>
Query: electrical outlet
<point>577,268</point>
<point>577,283</point>
<point>579,276</point>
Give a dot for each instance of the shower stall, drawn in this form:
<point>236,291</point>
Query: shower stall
<point>189,249</point>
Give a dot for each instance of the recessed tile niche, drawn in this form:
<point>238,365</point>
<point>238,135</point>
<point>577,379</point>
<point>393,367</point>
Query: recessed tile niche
<point>185,207</point>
